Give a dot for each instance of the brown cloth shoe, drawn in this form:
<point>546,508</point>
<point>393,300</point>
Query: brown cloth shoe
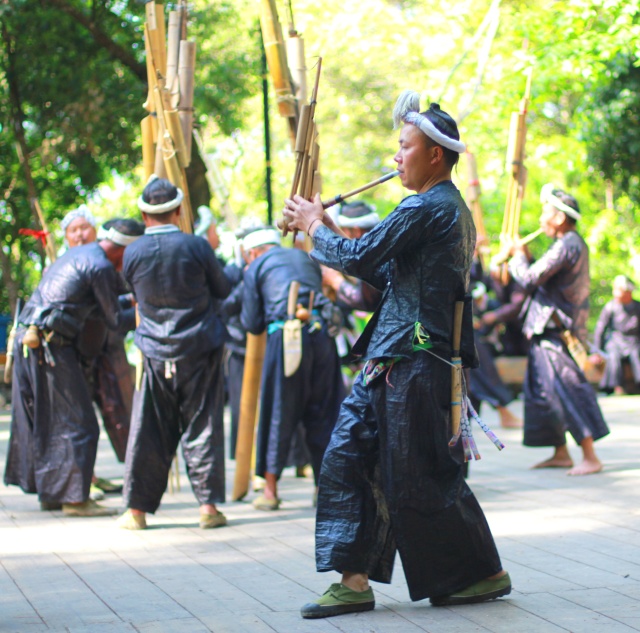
<point>87,509</point>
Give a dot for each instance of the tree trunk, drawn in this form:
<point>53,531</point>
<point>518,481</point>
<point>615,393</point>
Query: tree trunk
<point>17,119</point>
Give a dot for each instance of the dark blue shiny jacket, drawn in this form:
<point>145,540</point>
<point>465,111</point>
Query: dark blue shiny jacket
<point>266,286</point>
<point>557,282</point>
<point>176,280</point>
<point>420,255</point>
<point>80,284</point>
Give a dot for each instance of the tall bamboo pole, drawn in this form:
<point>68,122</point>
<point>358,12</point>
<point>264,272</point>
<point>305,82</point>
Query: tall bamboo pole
<point>277,61</point>
<point>517,172</point>
<point>254,359</point>
<point>473,200</point>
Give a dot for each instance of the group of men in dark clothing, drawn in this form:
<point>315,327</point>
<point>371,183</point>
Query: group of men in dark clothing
<point>386,450</point>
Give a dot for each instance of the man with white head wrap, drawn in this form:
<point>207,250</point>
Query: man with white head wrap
<point>54,430</point>
<point>177,282</point>
<point>312,395</point>
<point>557,396</point>
<point>355,219</point>
<point>389,478</point>
<point>617,333</point>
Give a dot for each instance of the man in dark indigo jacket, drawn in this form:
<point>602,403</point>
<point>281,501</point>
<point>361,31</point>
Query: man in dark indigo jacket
<point>557,396</point>
<point>176,280</point>
<point>54,430</point>
<point>312,395</point>
<point>389,480</point>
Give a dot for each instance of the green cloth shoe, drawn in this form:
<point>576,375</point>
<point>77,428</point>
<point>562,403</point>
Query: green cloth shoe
<point>263,503</point>
<point>478,592</point>
<point>338,600</point>
<point>210,521</point>
<point>96,493</point>
<point>87,509</point>
<point>130,521</point>
<point>107,486</point>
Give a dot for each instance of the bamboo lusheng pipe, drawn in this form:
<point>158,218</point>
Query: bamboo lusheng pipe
<point>303,137</point>
<point>173,54</point>
<point>456,370</point>
<point>473,199</point>
<point>297,66</point>
<point>186,71</point>
<point>167,149</point>
<point>518,172</point>
<point>499,260</point>
<point>343,196</point>
<point>252,376</point>
<point>148,146</point>
<point>277,58</point>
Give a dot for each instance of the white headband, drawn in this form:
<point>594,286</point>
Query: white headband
<point>407,109</point>
<point>165,207</point>
<point>363,222</point>
<point>623,283</point>
<point>547,196</point>
<point>261,238</point>
<point>113,235</point>
<point>81,212</point>
<point>206,220</point>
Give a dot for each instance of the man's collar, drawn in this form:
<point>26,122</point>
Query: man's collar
<point>161,228</point>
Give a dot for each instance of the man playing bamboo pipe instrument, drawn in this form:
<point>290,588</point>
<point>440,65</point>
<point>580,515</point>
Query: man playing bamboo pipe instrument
<point>557,396</point>
<point>389,462</point>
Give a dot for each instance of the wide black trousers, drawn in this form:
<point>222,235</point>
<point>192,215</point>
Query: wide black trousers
<point>390,481</point>
<point>54,430</point>
<point>310,397</point>
<point>185,408</point>
<point>557,397</point>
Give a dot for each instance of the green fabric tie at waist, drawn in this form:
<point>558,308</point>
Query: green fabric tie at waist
<point>373,368</point>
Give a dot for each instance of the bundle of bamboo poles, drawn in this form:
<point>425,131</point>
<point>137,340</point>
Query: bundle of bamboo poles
<point>473,200</point>
<point>276,53</point>
<point>289,94</point>
<point>517,173</point>
<point>167,130</point>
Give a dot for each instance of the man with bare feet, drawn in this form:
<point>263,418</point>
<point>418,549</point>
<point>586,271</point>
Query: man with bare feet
<point>557,396</point>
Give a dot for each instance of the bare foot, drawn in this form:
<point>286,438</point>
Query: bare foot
<point>508,420</point>
<point>555,462</point>
<point>587,467</point>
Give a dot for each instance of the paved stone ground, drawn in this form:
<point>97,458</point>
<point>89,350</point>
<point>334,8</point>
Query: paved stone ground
<point>572,546</point>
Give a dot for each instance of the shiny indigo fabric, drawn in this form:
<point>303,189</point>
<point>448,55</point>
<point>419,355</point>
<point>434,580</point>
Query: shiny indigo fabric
<point>389,478</point>
<point>266,286</point>
<point>80,284</point>
<point>54,430</point>
<point>176,279</point>
<point>420,255</point>
<point>185,409</point>
<point>557,396</point>
<point>310,397</point>
<point>557,282</point>
<point>618,334</point>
